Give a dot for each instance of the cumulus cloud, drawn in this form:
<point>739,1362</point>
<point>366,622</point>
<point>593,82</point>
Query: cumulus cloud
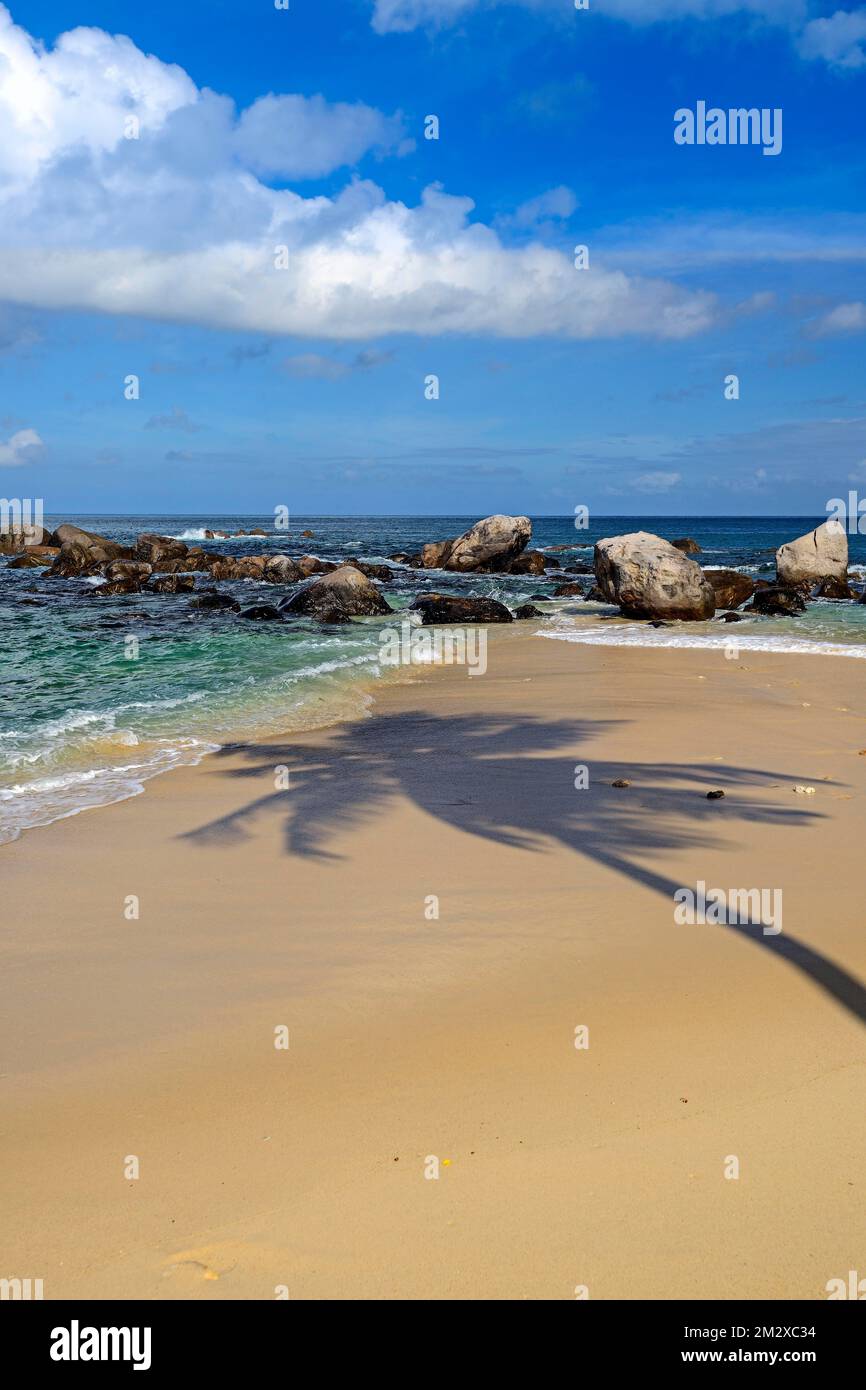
<point>19,449</point>
<point>125,189</point>
<point>839,40</point>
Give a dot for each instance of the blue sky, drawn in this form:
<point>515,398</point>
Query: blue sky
<point>151,251</point>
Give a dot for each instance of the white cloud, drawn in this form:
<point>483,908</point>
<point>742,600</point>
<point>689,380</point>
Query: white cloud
<point>845,318</point>
<point>557,204</point>
<point>399,16</point>
<point>839,40</point>
<point>305,137</point>
<point>18,450</point>
<point>656,482</point>
<point>688,243</point>
<point>178,224</point>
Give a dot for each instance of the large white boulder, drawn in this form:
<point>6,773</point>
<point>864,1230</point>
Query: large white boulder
<point>820,554</point>
<point>491,544</point>
<point>649,578</point>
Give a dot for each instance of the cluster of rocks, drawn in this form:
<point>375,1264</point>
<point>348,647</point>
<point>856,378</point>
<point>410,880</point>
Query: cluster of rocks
<point>228,535</point>
<point>648,577</point>
<point>645,576</point>
<point>328,592</point>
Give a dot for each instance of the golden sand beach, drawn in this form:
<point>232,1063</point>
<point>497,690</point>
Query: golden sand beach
<point>431,909</point>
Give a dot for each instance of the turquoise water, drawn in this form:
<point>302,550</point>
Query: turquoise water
<point>82,724</point>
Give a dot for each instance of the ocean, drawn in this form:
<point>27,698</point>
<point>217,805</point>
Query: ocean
<point>83,724</point>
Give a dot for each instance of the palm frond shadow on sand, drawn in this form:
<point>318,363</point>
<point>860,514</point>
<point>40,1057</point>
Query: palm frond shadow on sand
<point>510,780</point>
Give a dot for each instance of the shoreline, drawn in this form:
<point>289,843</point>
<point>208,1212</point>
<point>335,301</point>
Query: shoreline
<point>453,1038</point>
<point>364,690</point>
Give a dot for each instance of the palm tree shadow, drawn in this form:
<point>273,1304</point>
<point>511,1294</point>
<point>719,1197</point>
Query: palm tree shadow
<point>472,772</point>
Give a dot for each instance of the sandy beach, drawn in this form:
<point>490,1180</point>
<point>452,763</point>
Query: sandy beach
<point>415,1037</point>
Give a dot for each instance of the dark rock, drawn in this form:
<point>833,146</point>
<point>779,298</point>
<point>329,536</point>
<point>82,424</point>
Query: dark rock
<point>730,587</point>
<point>687,545</point>
<point>261,613</point>
<point>383,572</point>
<point>308,535</point>
<point>528,610</point>
<point>657,622</point>
<point>172,584</point>
<point>732,617</point>
<point>35,557</point>
<point>82,552</point>
<point>114,586</point>
<point>200,561</point>
<point>596,596</point>
<point>250,567</point>
<point>530,562</point>
<point>450,608</point>
<point>137,570</point>
<point>331,615</point>
<point>777,602</point>
<point>310,564</point>
<point>343,593</point>
<point>281,569</point>
<point>568,591</point>
<point>29,538</point>
<point>224,567</point>
<point>156,549</point>
<point>834,589</point>
<point>434,554</point>
<point>213,599</point>
<point>620,782</point>
<point>243,567</point>
<point>715,796</point>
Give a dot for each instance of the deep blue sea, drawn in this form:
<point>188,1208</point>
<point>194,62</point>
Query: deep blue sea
<point>82,723</point>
